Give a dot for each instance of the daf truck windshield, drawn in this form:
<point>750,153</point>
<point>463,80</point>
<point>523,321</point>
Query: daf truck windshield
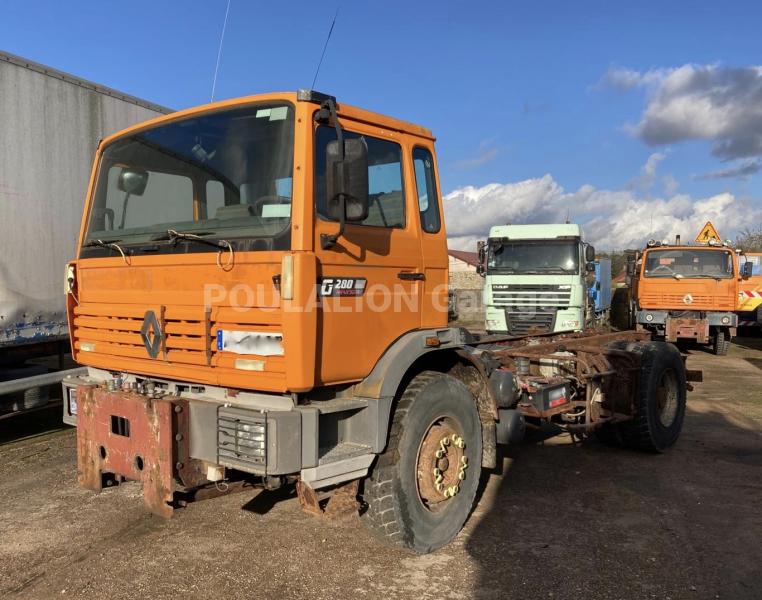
<point>224,175</point>
<point>532,257</point>
<point>689,264</point>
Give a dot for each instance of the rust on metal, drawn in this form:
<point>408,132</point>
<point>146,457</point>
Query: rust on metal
<point>125,435</point>
<point>190,471</point>
<point>697,329</point>
<point>341,503</point>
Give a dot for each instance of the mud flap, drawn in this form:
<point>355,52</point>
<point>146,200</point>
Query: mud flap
<point>127,436</point>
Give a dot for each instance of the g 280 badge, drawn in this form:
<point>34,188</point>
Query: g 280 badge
<point>341,286</point>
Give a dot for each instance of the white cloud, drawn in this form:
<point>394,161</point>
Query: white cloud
<point>625,80</point>
<point>486,152</point>
<point>744,170</point>
<point>698,102</point>
<point>647,178</point>
<point>612,219</point>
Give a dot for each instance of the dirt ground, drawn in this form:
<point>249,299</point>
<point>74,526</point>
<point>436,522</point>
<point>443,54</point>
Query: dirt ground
<point>559,521</point>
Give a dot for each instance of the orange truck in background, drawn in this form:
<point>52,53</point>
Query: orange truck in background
<point>260,297</point>
<point>750,293</point>
<point>688,292</point>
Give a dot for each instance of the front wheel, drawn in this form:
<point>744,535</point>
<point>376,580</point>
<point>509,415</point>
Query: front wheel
<point>423,486</point>
<point>721,343</point>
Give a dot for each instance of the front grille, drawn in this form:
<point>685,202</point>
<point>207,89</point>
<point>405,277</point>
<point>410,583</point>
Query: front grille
<point>532,321</point>
<point>531,295</point>
<point>241,440</point>
<point>695,302</point>
<point>117,331</point>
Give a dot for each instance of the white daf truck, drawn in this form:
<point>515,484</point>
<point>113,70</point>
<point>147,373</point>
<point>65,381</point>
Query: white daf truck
<point>543,278</point>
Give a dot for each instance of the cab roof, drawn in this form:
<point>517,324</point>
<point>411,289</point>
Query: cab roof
<point>345,111</point>
<point>536,232</point>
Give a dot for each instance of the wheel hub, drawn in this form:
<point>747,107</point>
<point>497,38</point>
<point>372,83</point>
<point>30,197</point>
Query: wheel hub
<point>666,399</point>
<point>442,463</point>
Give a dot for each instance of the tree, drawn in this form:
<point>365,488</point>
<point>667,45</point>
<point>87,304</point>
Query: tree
<point>750,240</point>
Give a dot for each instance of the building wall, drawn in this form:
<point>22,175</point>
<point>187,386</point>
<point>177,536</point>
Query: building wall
<point>467,286</point>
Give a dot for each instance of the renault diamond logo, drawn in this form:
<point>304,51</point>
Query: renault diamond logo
<point>151,334</point>
<point>688,299</point>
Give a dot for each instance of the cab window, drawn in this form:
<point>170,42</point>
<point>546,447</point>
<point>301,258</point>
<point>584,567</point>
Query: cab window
<point>385,188</point>
<point>425,182</point>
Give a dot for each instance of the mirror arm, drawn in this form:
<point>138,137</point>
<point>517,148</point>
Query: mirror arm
<point>124,209</point>
<point>328,240</point>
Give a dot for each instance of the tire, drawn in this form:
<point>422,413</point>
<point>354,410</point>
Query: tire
<point>721,343</point>
<point>660,401</point>
<point>403,509</point>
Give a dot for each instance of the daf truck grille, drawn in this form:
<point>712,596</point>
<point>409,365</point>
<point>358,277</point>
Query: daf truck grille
<point>539,320</point>
<point>241,440</point>
<point>531,295</point>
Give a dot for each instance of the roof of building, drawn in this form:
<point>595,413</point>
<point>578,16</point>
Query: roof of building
<point>472,258</point>
<point>25,63</point>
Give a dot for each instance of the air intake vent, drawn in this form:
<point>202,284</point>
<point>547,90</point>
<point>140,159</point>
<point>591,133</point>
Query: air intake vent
<point>241,440</point>
<point>531,321</point>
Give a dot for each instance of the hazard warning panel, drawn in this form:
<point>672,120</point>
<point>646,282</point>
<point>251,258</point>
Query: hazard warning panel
<point>708,234</point>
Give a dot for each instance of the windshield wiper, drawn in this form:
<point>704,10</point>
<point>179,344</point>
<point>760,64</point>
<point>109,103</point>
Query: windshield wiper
<point>110,244</point>
<point>170,235</point>
<point>174,236</point>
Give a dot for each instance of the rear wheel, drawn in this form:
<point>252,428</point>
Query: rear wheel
<point>423,486</point>
<point>660,402</point>
<point>721,343</point>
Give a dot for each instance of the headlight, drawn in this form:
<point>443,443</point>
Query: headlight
<point>69,279</point>
<point>649,317</point>
<point>725,320</point>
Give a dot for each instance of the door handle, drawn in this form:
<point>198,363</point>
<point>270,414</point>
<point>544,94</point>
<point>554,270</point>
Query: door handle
<point>411,276</point>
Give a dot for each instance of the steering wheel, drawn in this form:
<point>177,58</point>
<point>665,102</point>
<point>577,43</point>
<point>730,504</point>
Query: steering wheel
<point>662,267</point>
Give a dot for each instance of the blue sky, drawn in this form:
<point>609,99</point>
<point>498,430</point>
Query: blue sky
<point>514,91</point>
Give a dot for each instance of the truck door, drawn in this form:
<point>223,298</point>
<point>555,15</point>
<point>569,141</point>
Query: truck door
<point>433,240</point>
<point>369,283</point>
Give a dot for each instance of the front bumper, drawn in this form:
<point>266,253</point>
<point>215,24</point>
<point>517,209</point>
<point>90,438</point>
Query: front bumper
<point>559,319</point>
<point>692,325</point>
<point>180,437</point>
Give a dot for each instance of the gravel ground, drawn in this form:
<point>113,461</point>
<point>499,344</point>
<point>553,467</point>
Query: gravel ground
<point>557,521</point>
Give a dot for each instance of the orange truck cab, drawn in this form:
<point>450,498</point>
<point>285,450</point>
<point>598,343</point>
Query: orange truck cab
<point>688,292</point>
<point>260,297</point>
<point>750,293</point>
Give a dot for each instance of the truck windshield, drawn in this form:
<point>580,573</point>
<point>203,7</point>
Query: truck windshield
<point>225,174</point>
<point>533,256</point>
<point>717,264</point>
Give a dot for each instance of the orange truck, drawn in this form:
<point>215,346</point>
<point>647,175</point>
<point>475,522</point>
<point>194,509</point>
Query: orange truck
<point>688,292</point>
<point>750,293</point>
<point>260,297</point>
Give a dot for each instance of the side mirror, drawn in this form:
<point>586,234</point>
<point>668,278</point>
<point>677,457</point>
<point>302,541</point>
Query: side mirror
<point>589,253</point>
<point>747,270</point>
<point>132,181</point>
<point>347,180</point>
<point>481,247</point>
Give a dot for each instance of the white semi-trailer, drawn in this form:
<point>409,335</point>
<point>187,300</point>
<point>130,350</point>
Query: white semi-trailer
<point>50,125</point>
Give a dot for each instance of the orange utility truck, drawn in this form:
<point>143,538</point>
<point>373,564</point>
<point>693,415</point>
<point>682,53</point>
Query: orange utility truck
<point>750,292</point>
<point>689,292</point>
<point>260,297</point>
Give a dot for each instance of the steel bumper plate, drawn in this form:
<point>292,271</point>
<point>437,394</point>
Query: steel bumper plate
<point>129,436</point>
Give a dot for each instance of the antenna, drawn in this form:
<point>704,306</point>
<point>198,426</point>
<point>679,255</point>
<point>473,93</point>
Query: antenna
<point>325,47</point>
<point>219,51</point>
